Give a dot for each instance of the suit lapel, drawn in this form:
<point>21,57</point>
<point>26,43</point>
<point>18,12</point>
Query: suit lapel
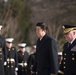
<point>42,42</point>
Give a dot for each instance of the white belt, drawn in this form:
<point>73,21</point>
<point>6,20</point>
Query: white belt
<point>22,64</point>
<point>11,60</point>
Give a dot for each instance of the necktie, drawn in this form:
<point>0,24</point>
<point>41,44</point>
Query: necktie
<point>69,44</point>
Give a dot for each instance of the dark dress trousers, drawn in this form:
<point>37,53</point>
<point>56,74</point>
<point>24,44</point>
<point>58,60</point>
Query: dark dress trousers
<point>3,52</point>
<point>46,61</point>
<point>22,63</point>
<point>68,65</point>
<point>12,61</point>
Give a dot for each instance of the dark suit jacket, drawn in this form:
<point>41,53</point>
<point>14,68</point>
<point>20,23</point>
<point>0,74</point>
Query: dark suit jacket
<point>46,56</point>
<point>68,65</point>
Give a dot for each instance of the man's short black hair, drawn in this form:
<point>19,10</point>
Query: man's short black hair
<point>42,25</point>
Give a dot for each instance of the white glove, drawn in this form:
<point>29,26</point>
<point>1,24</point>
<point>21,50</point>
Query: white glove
<point>25,64</point>
<point>5,63</point>
<point>16,69</point>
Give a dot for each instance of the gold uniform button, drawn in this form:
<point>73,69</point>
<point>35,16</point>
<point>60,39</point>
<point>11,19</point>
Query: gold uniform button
<point>64,66</point>
<point>72,54</point>
<point>8,62</point>
<point>36,72</point>
<point>73,58</point>
<point>0,58</point>
<point>31,65</point>
<point>65,54</point>
<point>64,62</point>
<point>64,58</point>
<point>12,48</point>
<point>9,49</point>
<point>12,66</point>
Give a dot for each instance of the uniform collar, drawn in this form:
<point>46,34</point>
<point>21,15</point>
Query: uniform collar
<point>72,41</point>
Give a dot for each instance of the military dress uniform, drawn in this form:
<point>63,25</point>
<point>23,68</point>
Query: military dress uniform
<point>30,64</point>
<point>22,63</point>
<point>3,53</point>
<point>59,58</point>
<point>68,65</point>
<point>12,61</point>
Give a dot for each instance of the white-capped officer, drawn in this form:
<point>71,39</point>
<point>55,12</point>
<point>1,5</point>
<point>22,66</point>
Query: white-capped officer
<point>22,59</point>
<point>12,59</point>
<point>3,52</point>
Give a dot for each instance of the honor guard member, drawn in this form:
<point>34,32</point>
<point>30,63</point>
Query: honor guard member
<point>68,64</point>
<point>30,62</point>
<point>59,58</point>
<point>12,59</point>
<point>22,59</point>
<point>3,52</point>
<point>46,62</point>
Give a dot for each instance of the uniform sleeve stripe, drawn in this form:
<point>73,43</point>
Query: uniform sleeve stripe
<point>61,72</point>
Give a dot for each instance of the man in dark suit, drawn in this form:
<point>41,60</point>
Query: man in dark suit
<point>3,52</point>
<point>68,65</point>
<point>46,62</point>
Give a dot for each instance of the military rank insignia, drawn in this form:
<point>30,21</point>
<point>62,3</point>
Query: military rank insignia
<point>74,48</point>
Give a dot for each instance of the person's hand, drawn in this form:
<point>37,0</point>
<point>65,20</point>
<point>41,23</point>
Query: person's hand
<point>16,69</point>
<point>5,63</point>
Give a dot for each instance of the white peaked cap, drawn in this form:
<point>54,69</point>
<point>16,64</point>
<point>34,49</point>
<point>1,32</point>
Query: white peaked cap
<point>34,46</point>
<point>59,53</point>
<point>1,27</point>
<point>9,39</point>
<point>22,44</point>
